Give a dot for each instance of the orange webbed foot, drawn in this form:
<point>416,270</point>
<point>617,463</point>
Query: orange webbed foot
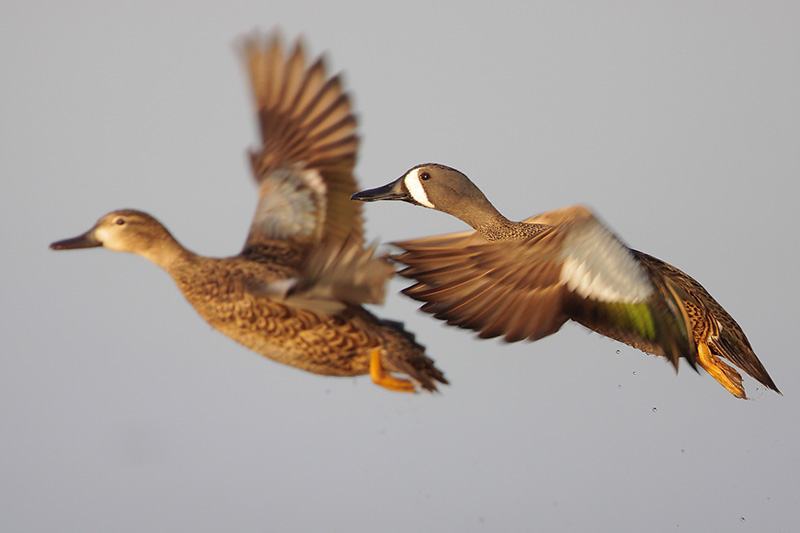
<point>724,374</point>
<point>383,378</point>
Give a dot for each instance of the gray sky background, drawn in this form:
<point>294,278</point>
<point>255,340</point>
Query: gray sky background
<point>121,410</point>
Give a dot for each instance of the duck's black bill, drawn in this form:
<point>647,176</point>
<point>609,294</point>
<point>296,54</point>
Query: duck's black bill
<point>393,191</point>
<point>87,240</point>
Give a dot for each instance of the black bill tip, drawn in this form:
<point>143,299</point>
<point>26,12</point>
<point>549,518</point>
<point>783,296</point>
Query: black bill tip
<point>87,240</point>
<point>391,191</point>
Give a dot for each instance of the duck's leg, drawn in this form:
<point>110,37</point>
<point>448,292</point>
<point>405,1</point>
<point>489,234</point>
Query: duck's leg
<point>383,378</point>
<point>726,375</point>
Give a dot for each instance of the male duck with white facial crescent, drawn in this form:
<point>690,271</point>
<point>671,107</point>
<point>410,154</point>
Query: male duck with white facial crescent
<point>523,280</point>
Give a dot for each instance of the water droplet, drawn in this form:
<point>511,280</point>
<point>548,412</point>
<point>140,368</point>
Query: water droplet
<point>741,519</point>
<point>655,409</point>
<point>617,352</point>
<point>619,386</point>
<point>634,372</point>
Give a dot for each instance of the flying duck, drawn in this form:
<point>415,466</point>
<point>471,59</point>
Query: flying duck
<point>295,291</point>
<point>523,280</point>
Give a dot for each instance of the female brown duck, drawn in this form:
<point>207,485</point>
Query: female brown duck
<point>525,279</point>
<point>295,291</point>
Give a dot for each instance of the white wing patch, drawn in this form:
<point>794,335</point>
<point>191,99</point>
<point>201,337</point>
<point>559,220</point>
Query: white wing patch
<point>291,203</point>
<point>416,189</point>
<point>597,265</point>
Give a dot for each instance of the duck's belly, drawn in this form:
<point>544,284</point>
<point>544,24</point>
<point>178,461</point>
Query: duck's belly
<point>322,344</point>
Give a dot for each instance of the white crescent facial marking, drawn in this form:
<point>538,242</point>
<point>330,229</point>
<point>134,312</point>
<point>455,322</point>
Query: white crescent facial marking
<point>598,266</point>
<point>416,189</point>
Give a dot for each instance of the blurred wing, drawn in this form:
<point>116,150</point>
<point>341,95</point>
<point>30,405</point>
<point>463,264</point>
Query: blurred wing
<point>304,167</point>
<point>490,287</point>
<point>658,325</point>
<point>558,217</point>
<point>333,276</point>
<point>528,288</point>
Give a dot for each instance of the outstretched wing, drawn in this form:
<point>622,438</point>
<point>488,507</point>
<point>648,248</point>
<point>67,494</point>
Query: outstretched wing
<point>483,286</point>
<point>528,288</point>
<point>304,167</point>
<point>304,170</point>
<point>520,288</point>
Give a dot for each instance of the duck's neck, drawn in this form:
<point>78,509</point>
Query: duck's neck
<point>169,254</point>
<point>492,225</point>
<point>481,215</point>
<point>476,210</point>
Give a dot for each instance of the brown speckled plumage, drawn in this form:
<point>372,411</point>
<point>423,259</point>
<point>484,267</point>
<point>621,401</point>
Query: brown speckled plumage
<point>502,229</point>
<point>221,292</point>
<point>295,292</point>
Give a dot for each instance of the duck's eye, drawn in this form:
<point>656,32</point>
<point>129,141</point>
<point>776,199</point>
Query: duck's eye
<point>119,221</point>
<point>424,176</point>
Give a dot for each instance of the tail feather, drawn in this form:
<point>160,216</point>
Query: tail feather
<point>724,347</point>
<point>421,369</point>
